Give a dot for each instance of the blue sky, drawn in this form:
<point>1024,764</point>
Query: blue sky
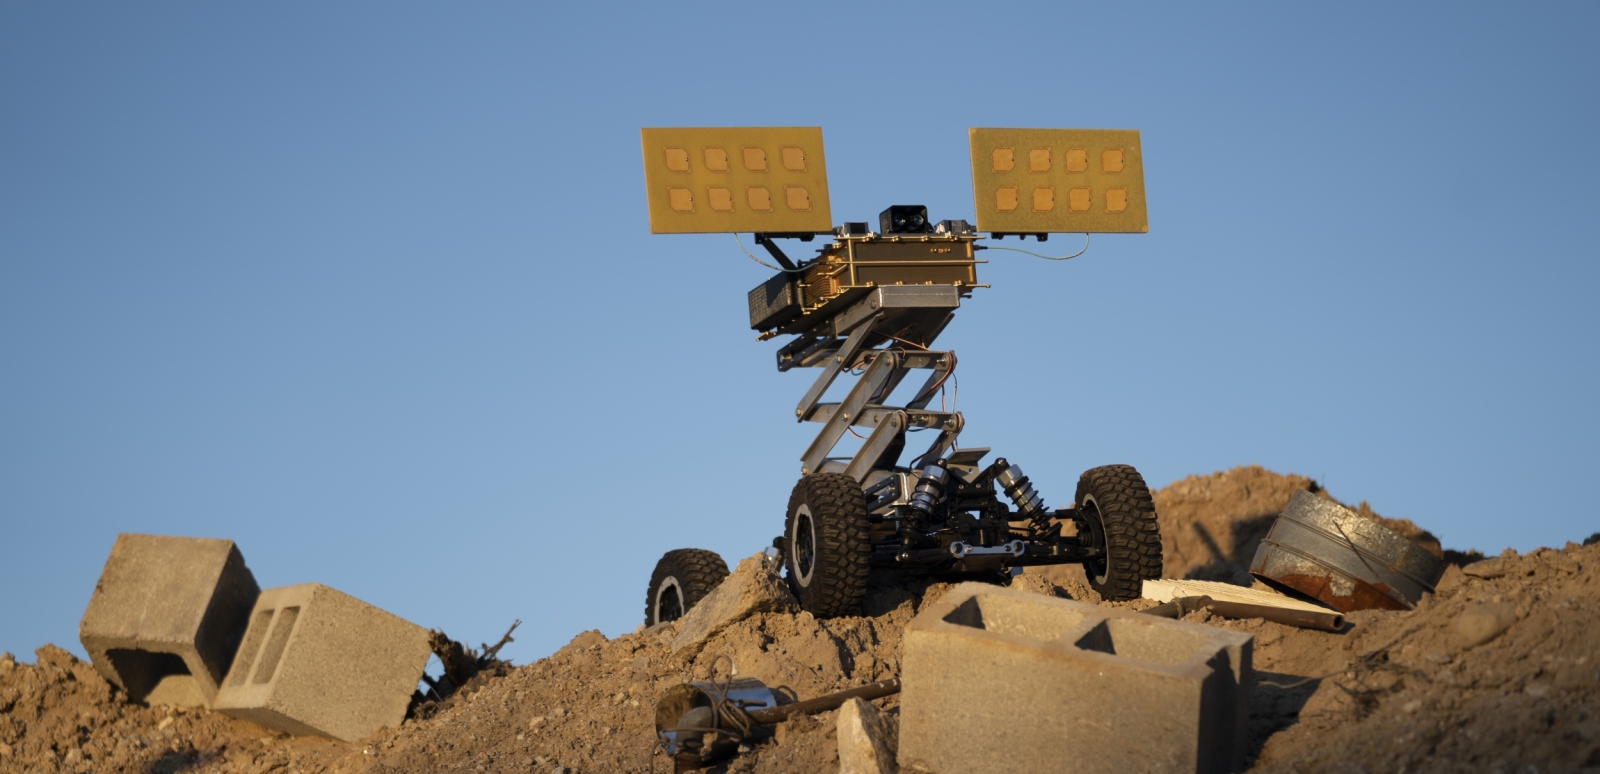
<point>368,288</point>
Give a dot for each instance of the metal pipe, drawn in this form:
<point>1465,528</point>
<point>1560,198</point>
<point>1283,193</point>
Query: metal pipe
<point>782,712</point>
<point>1305,619</point>
<point>682,727</point>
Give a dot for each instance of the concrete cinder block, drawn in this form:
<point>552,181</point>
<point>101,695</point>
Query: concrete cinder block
<point>318,661</point>
<point>998,680</point>
<point>167,615</point>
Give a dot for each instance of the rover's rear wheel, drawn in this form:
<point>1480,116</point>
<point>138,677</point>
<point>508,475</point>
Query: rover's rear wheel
<point>827,553</point>
<point>1116,512</point>
<point>682,578</point>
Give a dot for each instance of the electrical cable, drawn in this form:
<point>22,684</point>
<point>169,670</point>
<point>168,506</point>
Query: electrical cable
<point>1040,255</point>
<point>795,270</point>
<point>939,385</point>
<point>907,343</point>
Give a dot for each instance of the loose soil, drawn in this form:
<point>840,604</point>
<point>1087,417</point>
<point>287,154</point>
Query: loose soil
<point>1498,671</point>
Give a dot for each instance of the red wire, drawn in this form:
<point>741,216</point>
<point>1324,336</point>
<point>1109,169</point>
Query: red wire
<point>939,383</point>
<point>907,343</point>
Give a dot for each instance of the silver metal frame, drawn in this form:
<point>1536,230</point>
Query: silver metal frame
<point>867,335</point>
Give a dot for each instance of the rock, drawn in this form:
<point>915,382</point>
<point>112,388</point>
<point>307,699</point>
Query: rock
<point>1567,563</point>
<point>1493,567</point>
<point>1034,582</point>
<point>1484,621</point>
<point>752,588</point>
<point>866,740</point>
<point>585,640</point>
<point>1451,580</point>
<point>1487,569</point>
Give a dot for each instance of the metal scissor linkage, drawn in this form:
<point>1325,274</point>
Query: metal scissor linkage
<point>880,335</point>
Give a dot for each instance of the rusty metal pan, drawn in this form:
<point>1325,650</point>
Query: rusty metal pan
<point>1331,554</point>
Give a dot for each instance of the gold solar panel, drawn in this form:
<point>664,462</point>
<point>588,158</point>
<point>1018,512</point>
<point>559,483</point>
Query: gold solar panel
<point>1036,181</point>
<point>768,179</point>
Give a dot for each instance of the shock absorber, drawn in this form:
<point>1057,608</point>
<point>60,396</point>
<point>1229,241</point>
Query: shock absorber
<point>930,489</point>
<point>1020,490</point>
<point>924,498</point>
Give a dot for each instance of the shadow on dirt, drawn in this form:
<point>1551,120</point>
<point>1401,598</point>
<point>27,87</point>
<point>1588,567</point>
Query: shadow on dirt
<point>1231,560</point>
<point>1275,703</point>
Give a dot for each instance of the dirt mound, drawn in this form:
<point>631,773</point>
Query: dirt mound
<point>60,715</point>
<point>1499,670</point>
<point>1211,525</point>
<point>1491,674</point>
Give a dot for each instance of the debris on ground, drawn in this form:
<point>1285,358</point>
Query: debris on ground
<point>704,721</point>
<point>1334,555</point>
<point>1497,670</point>
<point>1001,680</point>
<point>181,621</point>
<point>461,665</point>
<point>753,587</point>
<point>167,615</point>
<point>867,739</point>
<point>318,661</point>
<point>1181,597</point>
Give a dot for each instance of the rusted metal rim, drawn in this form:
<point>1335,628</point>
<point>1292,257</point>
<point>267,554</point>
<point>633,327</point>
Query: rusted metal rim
<point>1365,565</point>
<point>1368,538</point>
<point>1283,566</point>
<point>1327,551</point>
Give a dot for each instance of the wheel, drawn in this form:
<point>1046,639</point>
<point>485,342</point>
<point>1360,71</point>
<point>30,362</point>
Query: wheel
<point>1117,513</point>
<point>682,578</point>
<point>828,554</point>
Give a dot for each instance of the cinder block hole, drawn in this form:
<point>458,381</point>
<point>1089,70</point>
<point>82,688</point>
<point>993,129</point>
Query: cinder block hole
<point>155,678</point>
<point>267,638</point>
<point>282,627</point>
<point>1016,617</point>
<point>1141,640</point>
<point>254,635</point>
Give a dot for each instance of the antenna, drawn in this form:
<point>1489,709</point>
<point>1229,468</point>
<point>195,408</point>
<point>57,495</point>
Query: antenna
<point>761,180</point>
<point>1039,181</point>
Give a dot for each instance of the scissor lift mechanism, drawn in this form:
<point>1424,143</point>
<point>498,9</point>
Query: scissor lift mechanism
<point>917,315</point>
<point>885,332</point>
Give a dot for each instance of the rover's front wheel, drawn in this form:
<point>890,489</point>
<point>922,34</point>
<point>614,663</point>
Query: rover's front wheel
<point>827,550</point>
<point>1118,515</point>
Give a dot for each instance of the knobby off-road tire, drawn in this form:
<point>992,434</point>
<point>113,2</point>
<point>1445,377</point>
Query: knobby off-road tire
<point>682,578</point>
<point>1115,505</point>
<point>827,552</point>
